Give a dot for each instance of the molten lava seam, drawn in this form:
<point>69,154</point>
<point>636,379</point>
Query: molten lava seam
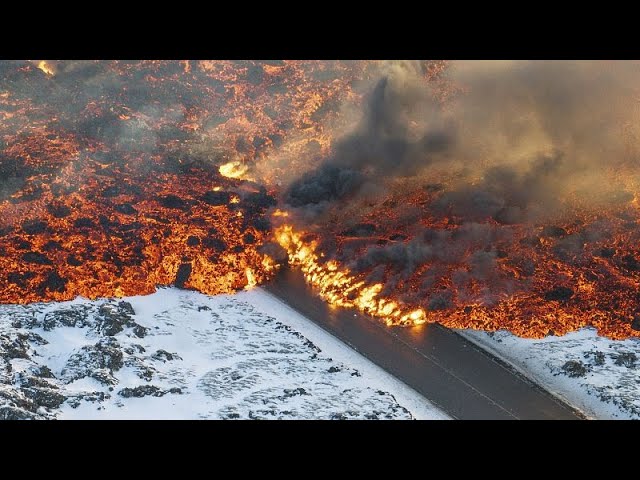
<point>338,287</point>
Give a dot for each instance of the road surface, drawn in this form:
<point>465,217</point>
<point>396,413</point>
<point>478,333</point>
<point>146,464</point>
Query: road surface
<point>454,374</point>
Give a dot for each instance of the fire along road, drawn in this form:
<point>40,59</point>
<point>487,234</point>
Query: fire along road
<point>451,372</point>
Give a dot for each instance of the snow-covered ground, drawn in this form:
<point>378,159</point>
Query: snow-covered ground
<point>180,354</point>
<point>601,377</point>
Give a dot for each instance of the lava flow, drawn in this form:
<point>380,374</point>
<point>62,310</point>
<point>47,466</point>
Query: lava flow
<point>117,177</point>
<point>338,287</point>
<point>477,195</point>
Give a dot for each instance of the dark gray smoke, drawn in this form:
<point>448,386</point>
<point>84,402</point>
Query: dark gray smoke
<point>505,194</point>
<point>521,137</point>
<point>526,144</point>
<point>401,132</point>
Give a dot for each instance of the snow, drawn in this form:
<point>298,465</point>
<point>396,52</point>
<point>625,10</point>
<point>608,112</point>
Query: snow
<point>605,384</point>
<point>241,356</point>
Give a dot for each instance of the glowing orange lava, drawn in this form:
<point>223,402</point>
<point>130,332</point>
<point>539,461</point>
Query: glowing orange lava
<point>117,177</point>
<point>339,287</point>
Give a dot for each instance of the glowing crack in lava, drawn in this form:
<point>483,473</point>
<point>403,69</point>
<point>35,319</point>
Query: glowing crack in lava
<point>411,191</point>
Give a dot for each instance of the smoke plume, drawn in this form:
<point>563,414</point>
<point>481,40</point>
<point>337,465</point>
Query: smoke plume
<point>525,143</point>
<point>521,137</point>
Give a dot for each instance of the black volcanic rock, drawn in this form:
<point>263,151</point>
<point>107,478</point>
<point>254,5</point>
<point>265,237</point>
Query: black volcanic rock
<point>74,316</point>
<point>112,321</point>
<point>126,208</point>
<point>626,359</point>
<point>83,223</point>
<point>74,261</point>
<point>164,356</point>
<point>630,263</point>
<point>216,198</point>
<point>109,192</point>
<point>97,361</point>
<point>54,283</point>
<point>147,390</point>
<point>20,279</point>
<point>36,258</point>
<point>605,252</point>
<point>183,274</point>
<point>258,202</point>
<point>574,369</point>
<point>59,210</point>
<point>141,391</point>
<point>249,239</point>
<point>360,230</point>
<point>172,201</point>
<point>553,231</point>
<point>398,237</point>
<point>7,412</point>
<point>35,228</point>
<point>193,241</point>
<point>561,294</point>
<point>44,397</point>
<point>261,224</point>
<point>214,243</point>
<point>52,246</point>
<point>440,301</point>
<point>531,242</point>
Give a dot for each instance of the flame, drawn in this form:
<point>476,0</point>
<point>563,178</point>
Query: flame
<point>339,287</point>
<point>233,169</point>
<point>251,279</point>
<point>47,67</point>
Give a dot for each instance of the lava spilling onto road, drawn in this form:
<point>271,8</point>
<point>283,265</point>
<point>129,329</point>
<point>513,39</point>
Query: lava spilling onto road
<point>495,197</point>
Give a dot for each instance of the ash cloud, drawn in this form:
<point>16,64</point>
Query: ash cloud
<point>532,132</point>
<point>521,136</point>
<point>402,130</point>
<point>429,256</point>
<point>505,194</point>
<point>526,143</point>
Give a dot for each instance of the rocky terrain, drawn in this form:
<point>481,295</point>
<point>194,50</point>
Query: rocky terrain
<point>181,354</point>
<point>595,374</point>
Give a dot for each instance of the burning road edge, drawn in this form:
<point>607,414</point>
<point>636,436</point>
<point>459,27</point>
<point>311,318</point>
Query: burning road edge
<point>484,196</point>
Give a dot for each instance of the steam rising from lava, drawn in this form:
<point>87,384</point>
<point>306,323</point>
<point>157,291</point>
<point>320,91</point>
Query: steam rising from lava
<point>506,195</point>
<point>477,194</point>
<point>522,133</point>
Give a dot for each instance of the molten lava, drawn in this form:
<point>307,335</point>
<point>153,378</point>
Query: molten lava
<point>339,287</point>
<point>117,177</point>
<point>46,67</point>
<point>233,169</point>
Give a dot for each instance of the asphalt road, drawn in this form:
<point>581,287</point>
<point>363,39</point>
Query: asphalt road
<point>454,374</point>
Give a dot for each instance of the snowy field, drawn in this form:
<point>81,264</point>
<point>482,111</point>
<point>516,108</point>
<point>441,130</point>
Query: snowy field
<point>600,377</point>
<point>180,355</point>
